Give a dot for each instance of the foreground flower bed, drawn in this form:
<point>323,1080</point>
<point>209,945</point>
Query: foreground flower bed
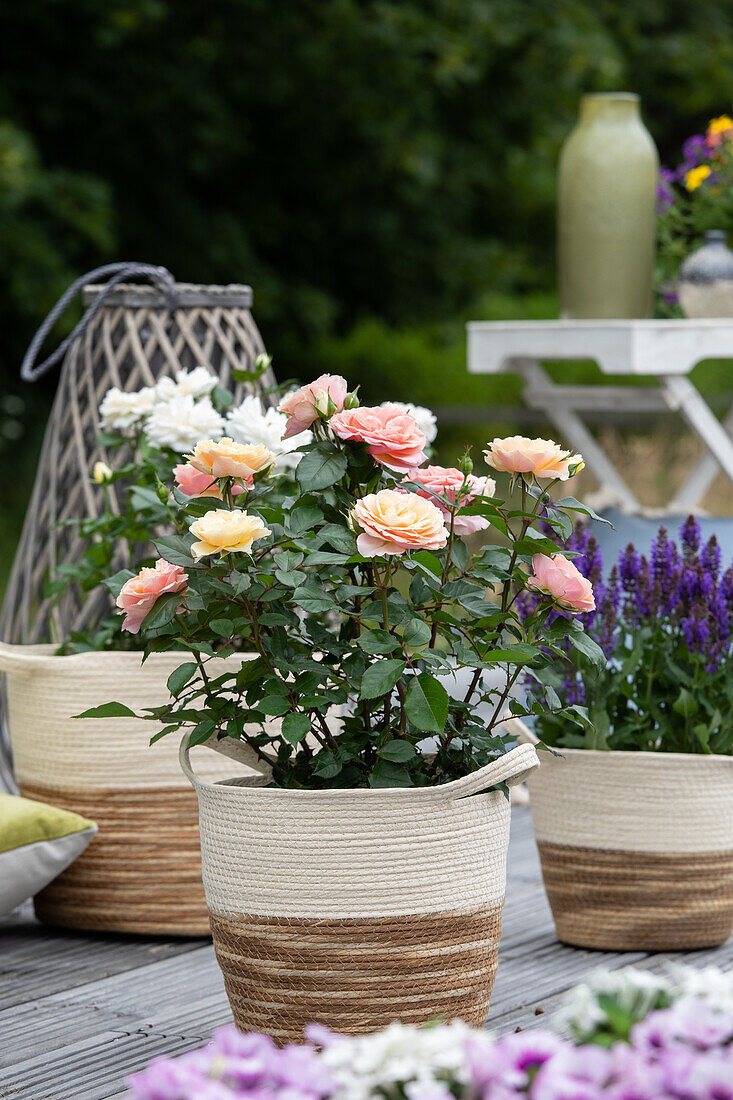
<point>636,1037</point>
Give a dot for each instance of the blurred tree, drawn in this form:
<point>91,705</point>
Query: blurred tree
<point>350,158</point>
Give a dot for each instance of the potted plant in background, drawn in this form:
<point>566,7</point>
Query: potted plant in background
<point>634,817</point>
<point>143,871</point>
<point>359,876</point>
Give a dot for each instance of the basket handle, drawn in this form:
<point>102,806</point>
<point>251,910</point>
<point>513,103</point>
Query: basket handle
<point>227,746</point>
<point>512,768</point>
<point>117,273</point>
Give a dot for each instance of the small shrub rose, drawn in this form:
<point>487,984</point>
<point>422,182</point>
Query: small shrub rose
<point>360,601</point>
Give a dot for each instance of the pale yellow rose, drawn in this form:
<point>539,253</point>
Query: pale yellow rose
<point>229,459</point>
<point>101,474</point>
<point>542,458</point>
<point>221,531</point>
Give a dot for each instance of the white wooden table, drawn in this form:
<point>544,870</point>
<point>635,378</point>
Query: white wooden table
<point>664,350</point>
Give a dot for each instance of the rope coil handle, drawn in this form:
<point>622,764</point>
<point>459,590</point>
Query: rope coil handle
<point>116,273</point>
<point>512,768</point>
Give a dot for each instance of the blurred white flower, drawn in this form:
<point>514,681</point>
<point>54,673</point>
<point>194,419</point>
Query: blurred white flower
<point>369,1065</point>
<point>631,988</point>
<point>195,383</point>
<point>181,422</point>
<point>123,412</point>
<point>425,418</point>
<point>251,423</point>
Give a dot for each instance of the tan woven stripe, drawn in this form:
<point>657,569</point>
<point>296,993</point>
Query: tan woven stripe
<point>357,975</point>
<point>141,873</point>
<point>638,901</point>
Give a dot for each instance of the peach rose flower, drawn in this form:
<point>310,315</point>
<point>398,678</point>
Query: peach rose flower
<point>447,481</point>
<point>194,483</point>
<point>516,454</point>
<point>393,522</point>
<point>229,459</point>
<point>303,407</point>
<point>138,595</point>
<point>561,580</point>
<point>392,435</point>
<point>222,531</point>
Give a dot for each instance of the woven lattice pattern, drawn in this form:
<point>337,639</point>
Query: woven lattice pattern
<point>132,342</point>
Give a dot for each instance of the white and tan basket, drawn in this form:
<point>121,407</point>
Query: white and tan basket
<point>353,908</point>
<point>636,847</point>
<point>142,872</point>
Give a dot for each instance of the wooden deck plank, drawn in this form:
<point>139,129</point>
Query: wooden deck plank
<point>79,1012</point>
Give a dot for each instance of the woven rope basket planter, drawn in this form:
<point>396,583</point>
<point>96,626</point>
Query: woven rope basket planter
<point>132,341</point>
<point>142,872</point>
<point>353,908</point>
<point>636,848</point>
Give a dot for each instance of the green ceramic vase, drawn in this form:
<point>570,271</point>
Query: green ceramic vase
<point>606,215</point>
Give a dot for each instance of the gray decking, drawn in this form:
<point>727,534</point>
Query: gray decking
<point>79,1012</point>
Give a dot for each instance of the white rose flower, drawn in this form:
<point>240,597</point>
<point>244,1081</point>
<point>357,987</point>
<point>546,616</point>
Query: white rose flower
<point>181,422</point>
<point>425,418</point>
<point>123,412</point>
<point>251,423</point>
<point>195,383</point>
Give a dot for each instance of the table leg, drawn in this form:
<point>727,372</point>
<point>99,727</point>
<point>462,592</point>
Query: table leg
<point>695,486</point>
<point>683,397</point>
<point>575,433</point>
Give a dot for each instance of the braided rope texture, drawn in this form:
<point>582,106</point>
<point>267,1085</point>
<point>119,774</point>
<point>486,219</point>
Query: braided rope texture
<point>142,871</point>
<point>634,901</point>
<point>357,975</point>
<point>313,854</point>
<point>132,341</point>
<point>636,848</point>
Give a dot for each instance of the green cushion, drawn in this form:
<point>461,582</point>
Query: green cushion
<point>37,843</point>
<point>23,821</point>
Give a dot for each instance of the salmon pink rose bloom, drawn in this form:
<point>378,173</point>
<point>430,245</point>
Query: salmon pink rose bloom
<point>392,436</point>
<point>447,482</point>
<point>303,407</point>
<point>561,580</point>
<point>194,483</point>
<point>138,595</point>
<point>393,522</point>
<point>221,531</point>
<point>516,454</point>
<point>229,459</point>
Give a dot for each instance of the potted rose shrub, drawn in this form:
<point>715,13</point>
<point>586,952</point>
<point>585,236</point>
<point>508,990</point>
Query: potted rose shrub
<point>634,816</point>
<point>359,876</point>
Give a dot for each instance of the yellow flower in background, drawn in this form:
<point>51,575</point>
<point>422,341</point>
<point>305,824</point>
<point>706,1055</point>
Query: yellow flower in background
<point>719,129</point>
<point>101,474</point>
<point>695,176</point>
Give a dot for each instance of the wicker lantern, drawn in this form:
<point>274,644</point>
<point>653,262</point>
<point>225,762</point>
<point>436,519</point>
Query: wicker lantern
<point>131,336</point>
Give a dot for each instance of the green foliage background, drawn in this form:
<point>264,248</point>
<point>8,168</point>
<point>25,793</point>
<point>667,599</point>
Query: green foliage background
<point>378,170</point>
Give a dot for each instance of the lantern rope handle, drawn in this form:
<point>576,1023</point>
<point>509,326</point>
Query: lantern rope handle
<point>117,273</point>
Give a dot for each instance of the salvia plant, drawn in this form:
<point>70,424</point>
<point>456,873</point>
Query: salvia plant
<point>665,625</point>
<point>358,597</point>
<point>638,1037</point>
